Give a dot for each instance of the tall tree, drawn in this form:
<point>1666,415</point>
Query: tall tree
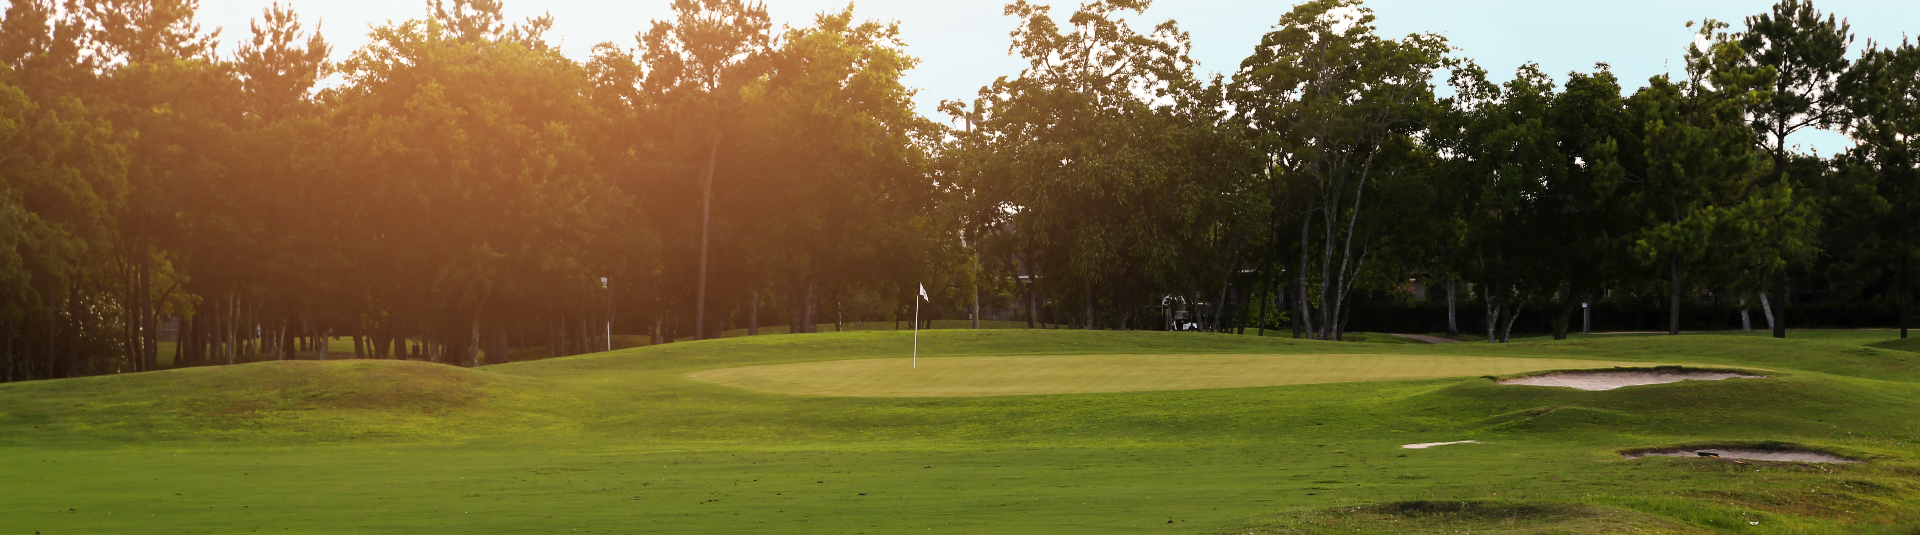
<point>1706,207</point>
<point>278,70</point>
<point>468,161</point>
<point>1340,105</point>
<point>1110,192</point>
<point>838,196</point>
<point>1520,162</point>
<point>1807,55</point>
<point>1883,97</point>
<point>697,63</point>
<point>62,186</point>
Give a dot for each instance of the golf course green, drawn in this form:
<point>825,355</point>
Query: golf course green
<point>1079,374</point>
<point>1053,432</point>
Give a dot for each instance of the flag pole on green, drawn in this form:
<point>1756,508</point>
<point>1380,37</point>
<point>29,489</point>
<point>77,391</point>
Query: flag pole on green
<point>916,324</point>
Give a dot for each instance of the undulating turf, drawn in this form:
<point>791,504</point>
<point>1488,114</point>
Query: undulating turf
<point>625,442</point>
<point>1076,374</point>
<point>1902,344</point>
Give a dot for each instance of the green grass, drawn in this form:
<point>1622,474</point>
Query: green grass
<point>1079,374</point>
<point>1901,344</point>
<point>624,442</point>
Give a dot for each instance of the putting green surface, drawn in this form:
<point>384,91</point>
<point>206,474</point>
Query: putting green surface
<point>1072,374</point>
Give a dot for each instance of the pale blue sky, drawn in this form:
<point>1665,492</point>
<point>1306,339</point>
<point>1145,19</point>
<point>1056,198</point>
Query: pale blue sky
<point>963,43</point>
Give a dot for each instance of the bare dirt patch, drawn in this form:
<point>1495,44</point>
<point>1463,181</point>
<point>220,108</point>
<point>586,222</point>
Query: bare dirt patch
<point>1624,377</point>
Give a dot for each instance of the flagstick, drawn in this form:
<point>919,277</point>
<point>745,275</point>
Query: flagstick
<point>916,332</point>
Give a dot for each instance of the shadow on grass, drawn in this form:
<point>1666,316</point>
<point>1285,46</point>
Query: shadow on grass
<point>1477,516</point>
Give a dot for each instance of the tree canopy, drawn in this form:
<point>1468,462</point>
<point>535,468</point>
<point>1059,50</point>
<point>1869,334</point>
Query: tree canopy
<point>459,190</point>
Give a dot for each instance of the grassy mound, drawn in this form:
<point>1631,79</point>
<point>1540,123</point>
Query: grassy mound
<point>1911,345</point>
<point>1786,402</point>
<point>305,399</point>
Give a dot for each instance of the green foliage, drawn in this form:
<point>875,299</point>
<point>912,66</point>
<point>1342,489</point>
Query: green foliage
<point>1706,209</point>
<point>467,191</point>
<point>1104,168</point>
<point>1876,188</point>
<point>63,181</point>
<point>1524,167</point>
<point>1336,109</point>
<point>833,203</point>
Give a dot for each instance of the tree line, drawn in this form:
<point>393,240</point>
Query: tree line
<point>458,189</point>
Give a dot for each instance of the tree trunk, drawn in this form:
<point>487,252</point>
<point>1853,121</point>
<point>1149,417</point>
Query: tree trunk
<point>807,325</point>
<point>1089,300</point>
<point>499,345</point>
<point>1033,307</point>
<point>706,213</point>
<point>1033,301</point>
<point>179,343</point>
<point>1567,300</point>
<point>1219,320</point>
<point>658,321</point>
<point>1777,314</point>
<point>183,349</point>
<point>1493,320</point>
<point>473,342</point>
<point>1767,308</point>
<point>1303,322</point>
<point>975,317</point>
<point>1673,310</point>
<point>753,313</point>
<point>1240,314</point>
<point>1746,322</point>
<point>144,277</point>
<point>1453,293</point>
<point>1293,318</point>
<point>1340,328</point>
<point>1905,294</point>
<point>359,349</point>
<point>1506,331</point>
<point>1265,306</point>
<point>233,327</point>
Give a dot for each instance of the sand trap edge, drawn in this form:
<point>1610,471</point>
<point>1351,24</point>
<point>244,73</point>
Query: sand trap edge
<point>1664,374</point>
<point>1751,451</point>
<point>1425,445</point>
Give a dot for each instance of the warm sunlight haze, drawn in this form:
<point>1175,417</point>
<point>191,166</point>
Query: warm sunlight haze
<point>1212,267</point>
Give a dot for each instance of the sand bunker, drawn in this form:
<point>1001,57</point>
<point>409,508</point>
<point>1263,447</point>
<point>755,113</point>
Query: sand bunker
<point>1425,445</point>
<point>1797,456</point>
<point>1066,374</point>
<point>1611,379</point>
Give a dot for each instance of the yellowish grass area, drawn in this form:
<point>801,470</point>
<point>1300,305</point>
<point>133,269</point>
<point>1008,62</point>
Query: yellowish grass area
<point>1069,374</point>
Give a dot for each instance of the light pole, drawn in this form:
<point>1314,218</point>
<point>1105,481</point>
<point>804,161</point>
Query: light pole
<point>1586,319</point>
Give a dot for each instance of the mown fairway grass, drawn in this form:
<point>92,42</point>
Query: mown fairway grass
<point>625,442</point>
<point>1080,374</point>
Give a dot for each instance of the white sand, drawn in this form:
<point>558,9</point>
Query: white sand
<point>1425,445</point>
<point>1611,379</point>
<point>1751,455</point>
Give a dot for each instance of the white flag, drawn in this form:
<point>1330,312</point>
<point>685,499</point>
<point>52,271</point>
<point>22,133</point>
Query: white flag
<point>923,293</point>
